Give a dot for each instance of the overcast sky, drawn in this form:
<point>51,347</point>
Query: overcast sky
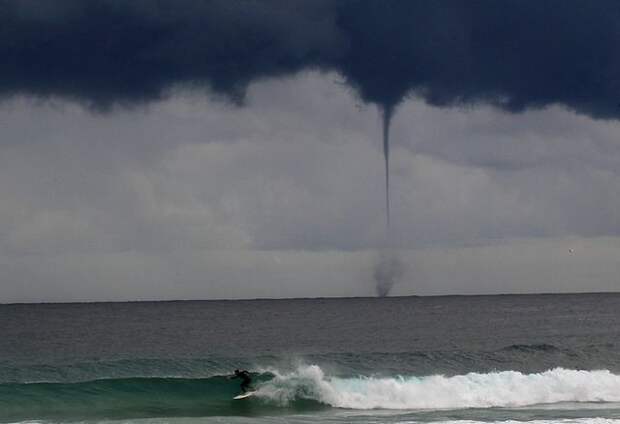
<point>141,159</point>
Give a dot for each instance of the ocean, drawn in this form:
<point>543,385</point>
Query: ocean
<point>452,359</point>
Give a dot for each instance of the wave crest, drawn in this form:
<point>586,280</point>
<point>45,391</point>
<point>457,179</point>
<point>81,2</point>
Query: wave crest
<point>543,347</point>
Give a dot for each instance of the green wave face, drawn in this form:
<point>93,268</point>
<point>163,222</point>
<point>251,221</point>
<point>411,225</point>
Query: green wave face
<point>133,398</point>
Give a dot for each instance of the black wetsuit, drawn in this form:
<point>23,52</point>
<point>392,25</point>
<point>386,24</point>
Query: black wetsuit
<point>246,380</point>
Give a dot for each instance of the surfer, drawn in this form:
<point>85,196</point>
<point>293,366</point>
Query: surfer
<point>246,379</point>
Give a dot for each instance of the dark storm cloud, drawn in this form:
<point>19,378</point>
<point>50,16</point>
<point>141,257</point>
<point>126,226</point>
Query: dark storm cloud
<point>117,51</point>
<point>512,54</point>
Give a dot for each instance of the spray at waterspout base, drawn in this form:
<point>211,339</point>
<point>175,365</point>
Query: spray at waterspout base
<point>388,271</point>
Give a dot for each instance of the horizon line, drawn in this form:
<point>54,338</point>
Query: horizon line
<point>309,298</point>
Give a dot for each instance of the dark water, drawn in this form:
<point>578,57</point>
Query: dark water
<point>476,358</point>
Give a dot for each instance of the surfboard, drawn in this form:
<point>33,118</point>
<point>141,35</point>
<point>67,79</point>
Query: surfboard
<point>244,395</point>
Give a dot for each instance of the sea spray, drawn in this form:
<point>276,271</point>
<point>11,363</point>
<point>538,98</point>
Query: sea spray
<point>387,271</point>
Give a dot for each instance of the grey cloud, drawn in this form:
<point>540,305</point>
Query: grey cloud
<point>188,174</point>
<point>284,197</point>
<point>490,139</point>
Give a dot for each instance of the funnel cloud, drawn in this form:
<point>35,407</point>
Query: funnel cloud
<point>386,119</point>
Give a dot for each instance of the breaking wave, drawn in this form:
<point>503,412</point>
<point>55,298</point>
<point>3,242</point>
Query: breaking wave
<point>306,388</point>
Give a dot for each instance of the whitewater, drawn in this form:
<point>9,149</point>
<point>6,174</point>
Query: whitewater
<point>473,390</point>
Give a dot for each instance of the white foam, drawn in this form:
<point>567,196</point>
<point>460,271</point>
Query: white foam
<point>473,390</point>
<point>594,420</point>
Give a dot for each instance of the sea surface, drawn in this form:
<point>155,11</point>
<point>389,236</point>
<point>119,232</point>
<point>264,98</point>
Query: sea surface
<point>458,359</point>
